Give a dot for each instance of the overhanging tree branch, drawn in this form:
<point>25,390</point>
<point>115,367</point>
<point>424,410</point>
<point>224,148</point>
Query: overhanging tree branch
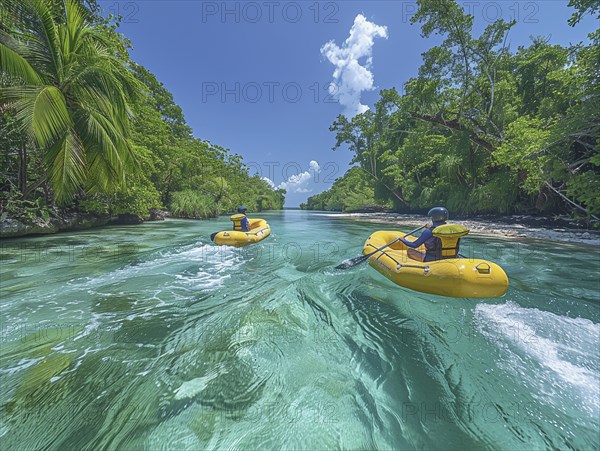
<point>580,207</point>
<point>455,125</point>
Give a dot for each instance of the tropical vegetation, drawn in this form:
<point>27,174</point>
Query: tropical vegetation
<point>482,128</point>
<point>84,128</point>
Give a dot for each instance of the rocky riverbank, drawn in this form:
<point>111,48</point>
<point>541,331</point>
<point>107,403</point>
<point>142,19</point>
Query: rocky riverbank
<point>520,226</point>
<point>68,221</point>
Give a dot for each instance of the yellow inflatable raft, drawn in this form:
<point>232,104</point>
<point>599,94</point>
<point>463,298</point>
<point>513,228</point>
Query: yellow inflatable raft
<point>259,230</point>
<point>452,277</point>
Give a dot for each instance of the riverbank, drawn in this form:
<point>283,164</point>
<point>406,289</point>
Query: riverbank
<point>520,226</point>
<point>11,227</point>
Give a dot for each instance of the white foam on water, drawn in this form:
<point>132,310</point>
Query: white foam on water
<point>22,365</point>
<point>204,280</point>
<point>215,264</point>
<point>567,347</point>
<point>221,261</point>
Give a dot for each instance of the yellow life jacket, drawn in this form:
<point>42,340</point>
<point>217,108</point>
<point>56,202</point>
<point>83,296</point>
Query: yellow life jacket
<point>237,221</point>
<point>449,235</point>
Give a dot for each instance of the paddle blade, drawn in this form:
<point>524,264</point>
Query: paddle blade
<point>358,260</point>
<point>352,262</point>
<point>212,236</point>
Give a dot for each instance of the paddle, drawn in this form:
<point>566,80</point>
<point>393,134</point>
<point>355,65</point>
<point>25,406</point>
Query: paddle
<point>212,236</point>
<point>363,258</point>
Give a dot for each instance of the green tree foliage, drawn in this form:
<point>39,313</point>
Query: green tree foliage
<point>195,178</point>
<point>81,121</point>
<point>352,192</point>
<point>69,93</point>
<point>192,204</point>
<point>482,129</point>
<point>583,7</point>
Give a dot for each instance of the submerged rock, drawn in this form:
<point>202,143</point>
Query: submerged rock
<point>38,377</point>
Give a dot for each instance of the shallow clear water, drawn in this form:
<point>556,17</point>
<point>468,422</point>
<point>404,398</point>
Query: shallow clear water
<point>150,337</point>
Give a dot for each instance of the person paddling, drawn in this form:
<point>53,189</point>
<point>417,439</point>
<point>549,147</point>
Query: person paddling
<point>441,240</point>
<point>240,221</point>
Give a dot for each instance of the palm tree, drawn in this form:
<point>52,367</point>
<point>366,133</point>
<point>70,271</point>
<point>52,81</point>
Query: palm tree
<point>70,93</point>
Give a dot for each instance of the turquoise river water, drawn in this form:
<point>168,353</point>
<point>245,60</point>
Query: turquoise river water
<point>150,337</point>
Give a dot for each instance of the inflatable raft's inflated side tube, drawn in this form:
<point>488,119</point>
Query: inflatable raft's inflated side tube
<point>452,277</point>
<point>259,230</point>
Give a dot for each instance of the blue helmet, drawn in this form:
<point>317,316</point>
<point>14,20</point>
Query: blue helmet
<point>241,209</point>
<point>438,214</point>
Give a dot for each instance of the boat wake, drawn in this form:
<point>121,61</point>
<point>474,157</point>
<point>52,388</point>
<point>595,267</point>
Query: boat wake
<point>562,350</point>
<point>201,267</point>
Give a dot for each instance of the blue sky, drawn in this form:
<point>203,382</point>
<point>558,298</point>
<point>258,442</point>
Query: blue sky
<point>250,76</point>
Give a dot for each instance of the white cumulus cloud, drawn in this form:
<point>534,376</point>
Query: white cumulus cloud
<point>350,78</point>
<point>300,183</point>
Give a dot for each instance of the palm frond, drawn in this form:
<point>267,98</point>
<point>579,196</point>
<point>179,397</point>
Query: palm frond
<point>66,166</point>
<point>109,154</point>
<point>50,119</point>
<point>37,20</point>
<point>47,31</point>
<point>74,26</point>
<point>13,63</point>
<point>74,103</point>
